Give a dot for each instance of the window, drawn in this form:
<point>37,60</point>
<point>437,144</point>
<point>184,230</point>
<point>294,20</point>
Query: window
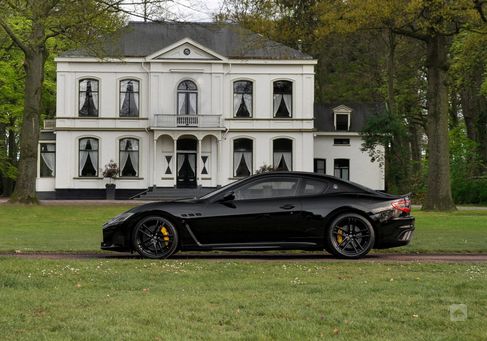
<point>88,157</point>
<point>187,98</point>
<point>242,157</point>
<point>267,189</point>
<point>342,169</point>
<point>283,99</point>
<point>283,154</point>
<point>242,98</point>
<point>313,187</point>
<point>129,98</point>
<point>320,166</point>
<point>341,141</point>
<point>48,160</point>
<point>341,122</point>
<point>88,98</point>
<point>129,157</point>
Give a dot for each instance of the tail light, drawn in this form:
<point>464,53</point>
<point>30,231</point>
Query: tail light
<point>402,205</point>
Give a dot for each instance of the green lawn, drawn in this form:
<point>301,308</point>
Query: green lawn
<point>251,300</point>
<point>78,228</point>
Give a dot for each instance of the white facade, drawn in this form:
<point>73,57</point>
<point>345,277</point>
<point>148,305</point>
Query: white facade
<point>213,126</point>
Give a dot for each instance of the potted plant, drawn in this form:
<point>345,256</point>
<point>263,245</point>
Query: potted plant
<point>110,172</point>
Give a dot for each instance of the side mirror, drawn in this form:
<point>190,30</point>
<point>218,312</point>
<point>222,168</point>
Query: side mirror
<point>228,197</point>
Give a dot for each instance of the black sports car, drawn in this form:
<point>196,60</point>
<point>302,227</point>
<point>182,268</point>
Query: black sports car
<point>277,210</point>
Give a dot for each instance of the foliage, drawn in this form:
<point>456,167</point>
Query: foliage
<point>264,169</point>
<point>464,160</point>
<point>111,170</point>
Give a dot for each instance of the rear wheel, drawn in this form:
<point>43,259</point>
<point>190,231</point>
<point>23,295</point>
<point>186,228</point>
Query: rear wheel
<point>155,237</point>
<point>350,235</point>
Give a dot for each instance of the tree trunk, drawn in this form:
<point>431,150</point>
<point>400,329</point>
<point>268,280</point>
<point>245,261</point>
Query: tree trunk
<point>438,195</point>
<point>25,189</point>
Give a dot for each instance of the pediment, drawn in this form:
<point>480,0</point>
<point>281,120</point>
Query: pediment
<point>186,49</point>
<point>342,109</point>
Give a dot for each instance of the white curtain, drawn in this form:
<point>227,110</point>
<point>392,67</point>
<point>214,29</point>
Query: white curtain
<point>248,102</point>
<point>192,163</point>
<point>124,155</point>
<point>180,162</point>
<point>237,159</point>
<point>287,156</point>
<point>182,104</point>
<point>50,158</point>
<point>288,102</point>
<point>134,156</point>
<point>277,101</point>
<point>192,103</point>
<point>83,154</point>
<point>237,99</point>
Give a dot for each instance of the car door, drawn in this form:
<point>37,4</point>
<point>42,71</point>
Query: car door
<point>262,211</point>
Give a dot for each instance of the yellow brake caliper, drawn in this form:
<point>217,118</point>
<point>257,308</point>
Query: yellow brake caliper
<point>340,236</point>
<point>165,235</point>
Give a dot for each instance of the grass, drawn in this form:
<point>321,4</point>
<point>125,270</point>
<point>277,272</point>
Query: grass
<point>251,300</point>
<point>78,228</point>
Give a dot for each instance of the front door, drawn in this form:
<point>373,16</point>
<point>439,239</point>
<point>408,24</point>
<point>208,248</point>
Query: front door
<point>186,170</point>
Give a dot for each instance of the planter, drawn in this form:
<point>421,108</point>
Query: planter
<point>110,191</point>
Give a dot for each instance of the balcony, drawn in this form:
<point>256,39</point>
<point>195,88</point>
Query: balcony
<point>49,124</point>
<point>188,121</point>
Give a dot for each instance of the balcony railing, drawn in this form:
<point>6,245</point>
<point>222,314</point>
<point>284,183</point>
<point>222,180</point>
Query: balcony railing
<point>190,121</point>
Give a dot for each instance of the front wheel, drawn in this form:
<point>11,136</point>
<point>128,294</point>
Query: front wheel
<point>350,235</point>
<point>155,237</point>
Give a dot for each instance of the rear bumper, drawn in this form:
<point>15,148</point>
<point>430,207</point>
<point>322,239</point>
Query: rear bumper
<point>395,232</point>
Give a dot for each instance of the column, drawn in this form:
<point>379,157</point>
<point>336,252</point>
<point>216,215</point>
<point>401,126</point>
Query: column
<point>154,161</point>
<point>175,160</point>
<point>198,163</point>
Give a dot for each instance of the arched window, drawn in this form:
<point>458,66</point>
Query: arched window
<point>88,157</point>
<point>88,98</point>
<point>242,157</point>
<point>187,98</point>
<point>242,98</point>
<point>283,154</point>
<point>283,99</point>
<point>129,98</point>
<point>129,157</point>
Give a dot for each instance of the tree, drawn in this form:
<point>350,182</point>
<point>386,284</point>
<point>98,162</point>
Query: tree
<point>31,24</point>
<point>434,23</point>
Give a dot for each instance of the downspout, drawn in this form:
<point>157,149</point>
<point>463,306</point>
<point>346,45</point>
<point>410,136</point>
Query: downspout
<point>150,119</point>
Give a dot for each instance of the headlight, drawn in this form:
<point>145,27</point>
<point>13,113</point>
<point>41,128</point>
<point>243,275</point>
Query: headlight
<point>118,219</point>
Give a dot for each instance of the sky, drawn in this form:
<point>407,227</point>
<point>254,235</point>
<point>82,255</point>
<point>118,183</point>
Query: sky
<point>184,10</point>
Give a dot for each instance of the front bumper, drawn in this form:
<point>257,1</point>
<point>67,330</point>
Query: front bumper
<point>395,232</point>
<point>114,239</point>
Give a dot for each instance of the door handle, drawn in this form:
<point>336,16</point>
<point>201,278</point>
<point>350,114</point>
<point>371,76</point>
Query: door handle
<point>288,207</point>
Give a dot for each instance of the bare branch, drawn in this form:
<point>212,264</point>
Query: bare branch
<point>14,36</point>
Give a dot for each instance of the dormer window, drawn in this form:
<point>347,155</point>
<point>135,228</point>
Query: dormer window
<point>342,118</point>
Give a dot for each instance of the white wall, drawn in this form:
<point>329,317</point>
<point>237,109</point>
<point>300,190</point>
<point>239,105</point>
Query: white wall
<point>362,169</point>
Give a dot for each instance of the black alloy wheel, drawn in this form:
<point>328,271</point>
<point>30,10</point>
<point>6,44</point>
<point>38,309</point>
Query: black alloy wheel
<point>155,237</point>
<point>350,235</point>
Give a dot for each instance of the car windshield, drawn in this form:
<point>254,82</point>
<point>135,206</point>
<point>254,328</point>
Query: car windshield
<point>220,190</point>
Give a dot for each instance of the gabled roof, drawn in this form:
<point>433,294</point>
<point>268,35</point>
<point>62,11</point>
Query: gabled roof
<point>140,39</point>
<point>361,113</point>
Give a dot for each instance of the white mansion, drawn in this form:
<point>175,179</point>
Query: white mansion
<point>180,105</point>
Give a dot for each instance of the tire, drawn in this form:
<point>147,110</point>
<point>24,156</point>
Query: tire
<point>350,235</point>
<point>155,237</point>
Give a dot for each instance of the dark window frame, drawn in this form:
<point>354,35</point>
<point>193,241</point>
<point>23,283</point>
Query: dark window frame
<point>341,142</point>
<point>41,160</point>
<point>120,154</point>
<point>97,157</point>
<point>97,104</point>
<point>239,92</point>
<point>251,166</point>
<point>279,149</point>
<point>280,92</point>
<point>315,165</point>
<point>340,127</point>
<point>187,93</point>
<point>341,169</point>
<point>122,93</point>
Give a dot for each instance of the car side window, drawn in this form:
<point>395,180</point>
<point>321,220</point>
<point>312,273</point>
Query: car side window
<point>267,188</point>
<point>314,187</point>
